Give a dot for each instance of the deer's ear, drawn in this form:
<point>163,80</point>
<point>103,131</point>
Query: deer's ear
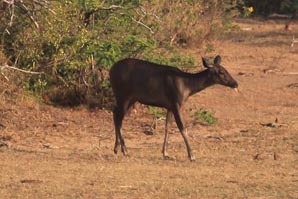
<point>205,63</point>
<point>217,60</point>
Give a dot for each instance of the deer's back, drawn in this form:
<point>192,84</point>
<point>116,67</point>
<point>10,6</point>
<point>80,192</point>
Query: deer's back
<point>131,71</point>
<point>147,82</point>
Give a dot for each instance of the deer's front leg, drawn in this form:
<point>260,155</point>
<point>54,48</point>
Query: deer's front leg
<point>180,125</point>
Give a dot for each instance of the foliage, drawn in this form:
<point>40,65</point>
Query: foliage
<point>209,48</point>
<point>267,7</point>
<point>289,6</point>
<point>190,23</point>
<point>157,112</point>
<point>247,11</point>
<point>204,116</point>
<point>74,43</point>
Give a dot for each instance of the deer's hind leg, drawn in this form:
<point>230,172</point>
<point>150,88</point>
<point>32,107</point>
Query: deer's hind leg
<point>165,143</point>
<point>118,115</point>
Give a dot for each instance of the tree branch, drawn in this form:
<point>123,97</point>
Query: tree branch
<point>22,5</point>
<point>18,69</point>
<point>141,23</point>
<point>89,13</point>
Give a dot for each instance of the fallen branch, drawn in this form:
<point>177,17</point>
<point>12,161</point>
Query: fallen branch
<point>141,23</point>
<point>290,73</point>
<point>146,13</point>
<point>17,69</point>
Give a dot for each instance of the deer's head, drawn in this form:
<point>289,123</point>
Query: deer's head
<point>219,74</point>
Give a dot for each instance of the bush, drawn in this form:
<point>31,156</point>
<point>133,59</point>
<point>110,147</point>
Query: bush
<point>75,42</point>
<point>204,117</point>
<point>190,23</point>
<point>267,7</point>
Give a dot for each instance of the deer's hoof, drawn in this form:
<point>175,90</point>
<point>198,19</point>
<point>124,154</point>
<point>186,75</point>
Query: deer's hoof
<point>126,154</point>
<point>166,157</point>
<point>115,150</point>
<point>124,151</point>
<point>116,147</point>
<point>192,159</point>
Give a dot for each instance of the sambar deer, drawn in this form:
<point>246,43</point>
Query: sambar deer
<point>134,80</point>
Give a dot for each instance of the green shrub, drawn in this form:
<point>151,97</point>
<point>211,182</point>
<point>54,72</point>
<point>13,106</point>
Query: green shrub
<point>204,116</point>
<point>75,42</point>
<point>156,112</point>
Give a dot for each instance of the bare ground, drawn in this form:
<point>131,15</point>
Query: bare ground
<point>252,152</point>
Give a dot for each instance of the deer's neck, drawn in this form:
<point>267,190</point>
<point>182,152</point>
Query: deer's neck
<point>199,81</point>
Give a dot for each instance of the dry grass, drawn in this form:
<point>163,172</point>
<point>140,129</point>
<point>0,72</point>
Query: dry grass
<point>50,152</point>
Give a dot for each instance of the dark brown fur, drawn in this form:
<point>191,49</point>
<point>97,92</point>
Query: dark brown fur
<point>134,80</point>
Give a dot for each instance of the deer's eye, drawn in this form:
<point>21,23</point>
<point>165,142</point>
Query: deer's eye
<point>221,74</point>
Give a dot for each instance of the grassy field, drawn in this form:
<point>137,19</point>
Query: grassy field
<point>251,152</point>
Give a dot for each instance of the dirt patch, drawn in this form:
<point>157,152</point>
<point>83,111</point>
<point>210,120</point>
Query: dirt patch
<point>252,152</point>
